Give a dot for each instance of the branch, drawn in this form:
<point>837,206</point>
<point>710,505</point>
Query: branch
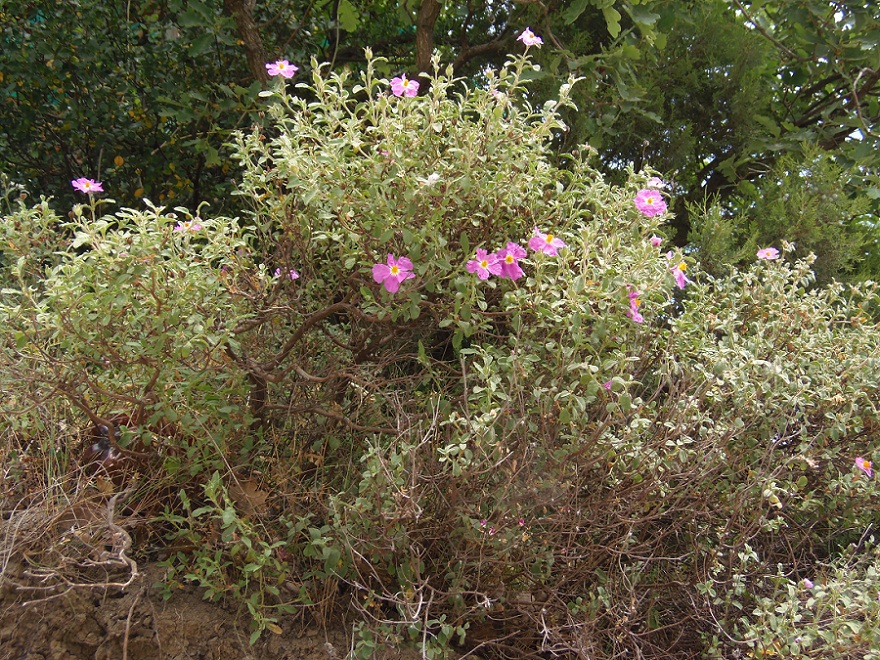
<point>781,46</point>
<point>242,12</point>
<point>315,318</point>
<point>468,53</point>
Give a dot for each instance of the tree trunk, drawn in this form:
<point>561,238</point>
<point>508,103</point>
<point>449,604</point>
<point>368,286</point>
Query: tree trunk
<point>429,12</point>
<point>242,11</point>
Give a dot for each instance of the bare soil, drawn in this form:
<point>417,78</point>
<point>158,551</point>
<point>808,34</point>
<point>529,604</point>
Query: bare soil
<point>136,624</point>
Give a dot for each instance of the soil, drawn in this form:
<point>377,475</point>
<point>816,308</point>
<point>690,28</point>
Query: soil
<point>136,624</point>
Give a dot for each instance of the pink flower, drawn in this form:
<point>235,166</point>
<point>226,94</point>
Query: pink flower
<point>391,275</point>
<point>401,86</point>
<point>808,584</point>
<point>483,522</point>
<point>87,185</point>
<point>529,38</point>
<point>656,241</point>
<point>655,182</point>
<point>508,258</point>
<point>546,243</point>
<point>768,254</point>
<point>678,273</point>
<point>522,522</point>
<point>292,274</point>
<point>607,385</point>
<point>633,311</point>
<point>281,68</point>
<point>864,466</point>
<point>485,265</point>
<point>650,202</point>
<point>187,225</point>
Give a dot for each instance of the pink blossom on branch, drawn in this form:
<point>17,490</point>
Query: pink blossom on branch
<point>292,274</point>
<point>678,272</point>
<point>509,256</point>
<point>401,86</point>
<point>546,243</point>
<point>529,38</point>
<point>281,68</point>
<point>187,225</point>
<point>650,202</point>
<point>633,311</point>
<point>390,275</point>
<point>87,185</point>
<point>768,253</point>
<point>864,466</point>
<point>484,265</point>
<point>656,241</point>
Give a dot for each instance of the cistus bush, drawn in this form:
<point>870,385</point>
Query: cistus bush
<point>489,407</point>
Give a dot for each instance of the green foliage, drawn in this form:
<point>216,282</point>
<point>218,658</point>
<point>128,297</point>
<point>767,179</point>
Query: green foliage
<point>709,93</point>
<point>140,95</point>
<point>129,314</point>
<point>521,465</point>
<point>808,202</point>
<point>238,563</point>
<point>835,618</point>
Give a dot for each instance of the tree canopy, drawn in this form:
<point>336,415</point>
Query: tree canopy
<point>713,94</point>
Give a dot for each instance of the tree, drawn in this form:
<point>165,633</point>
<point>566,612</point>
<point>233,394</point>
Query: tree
<point>711,93</point>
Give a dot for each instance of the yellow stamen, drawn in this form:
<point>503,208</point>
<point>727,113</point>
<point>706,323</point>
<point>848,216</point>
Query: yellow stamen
<point>682,266</point>
<point>508,259</point>
<point>484,264</point>
<point>395,270</point>
<point>549,238</point>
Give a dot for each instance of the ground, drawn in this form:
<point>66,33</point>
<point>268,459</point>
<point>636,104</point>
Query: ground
<point>136,624</point>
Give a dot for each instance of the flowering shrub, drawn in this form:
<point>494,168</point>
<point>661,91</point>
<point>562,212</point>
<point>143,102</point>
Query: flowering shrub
<point>573,449</point>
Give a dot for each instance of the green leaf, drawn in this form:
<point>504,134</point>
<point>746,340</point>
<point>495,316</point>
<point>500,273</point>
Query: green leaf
<point>191,19</point>
<point>612,19</point>
<point>348,16</point>
<point>201,44</point>
<point>643,17</point>
<point>575,9</point>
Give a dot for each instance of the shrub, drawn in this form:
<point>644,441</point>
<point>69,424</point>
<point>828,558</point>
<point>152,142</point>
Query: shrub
<point>583,460</point>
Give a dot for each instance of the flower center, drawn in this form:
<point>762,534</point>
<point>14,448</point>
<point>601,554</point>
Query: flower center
<point>549,238</point>
<point>508,259</point>
<point>395,270</point>
<point>484,264</point>
<point>682,266</point>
